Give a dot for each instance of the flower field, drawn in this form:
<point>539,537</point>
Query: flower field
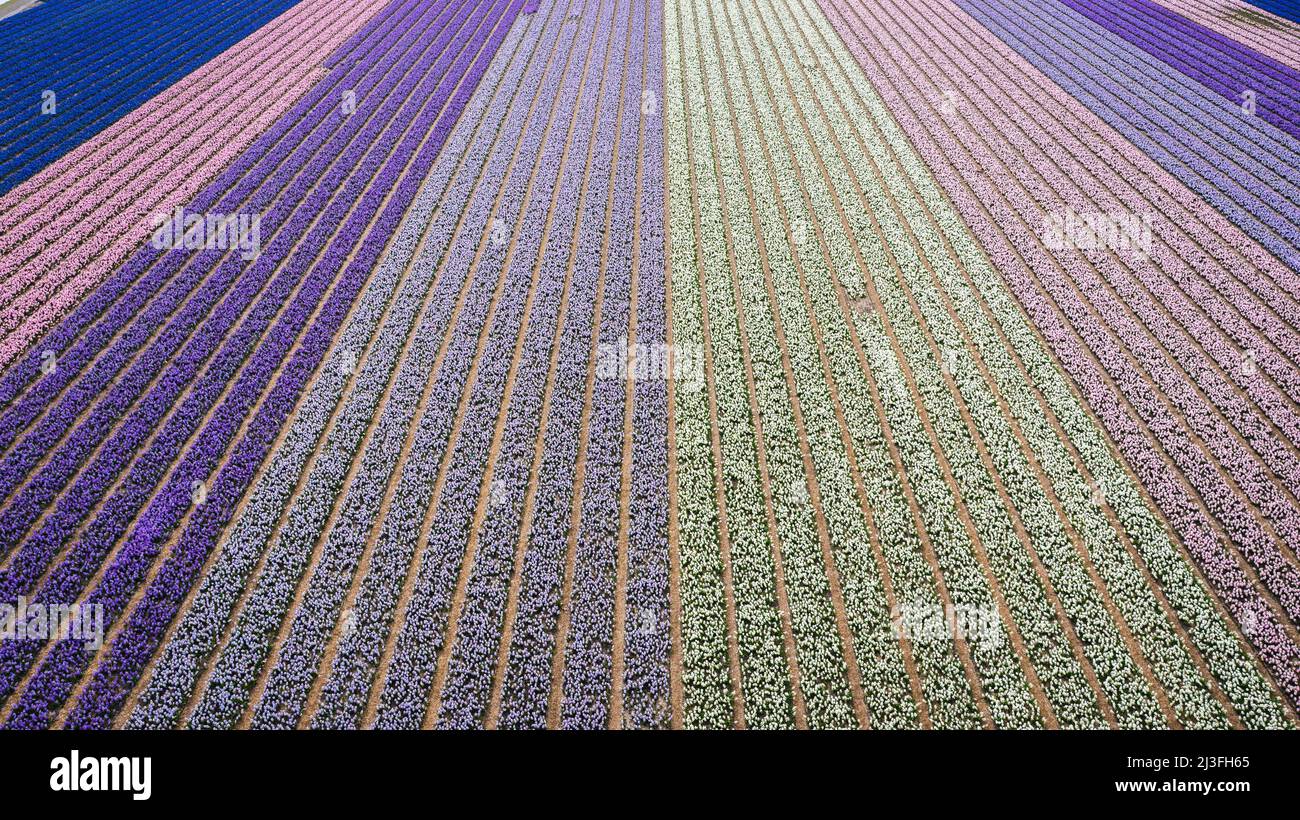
<point>693,364</point>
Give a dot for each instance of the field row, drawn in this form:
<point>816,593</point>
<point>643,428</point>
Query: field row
<point>694,364</point>
<point>73,69</point>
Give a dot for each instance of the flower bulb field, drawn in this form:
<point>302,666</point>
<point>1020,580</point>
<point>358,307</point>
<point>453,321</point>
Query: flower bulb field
<point>650,364</point>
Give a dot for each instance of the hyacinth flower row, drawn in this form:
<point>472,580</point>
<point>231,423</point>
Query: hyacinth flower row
<point>646,678</point>
<point>767,693</point>
<point>1221,441</point>
<point>112,532</point>
<point>586,681</point>
<point>1280,575</point>
<point>360,216</point>
<point>1007,692</point>
<point>120,65</point>
<point>191,311</point>
<point>244,560</point>
<point>408,676</point>
<point>1241,165</point>
<point>921,362</point>
<point>402,173</point>
<point>574,250</point>
<point>390,566</point>
<point>1220,64</point>
<point>140,421</point>
<point>1264,315</point>
<point>1071,700</point>
<point>401,550</point>
<point>466,690</point>
<point>237,670</point>
<point>1131,441</point>
<point>80,218</point>
<point>793,271</point>
<point>142,278</point>
<point>1224,120</point>
<point>1119,575</point>
<point>1225,144</point>
<point>1239,20</point>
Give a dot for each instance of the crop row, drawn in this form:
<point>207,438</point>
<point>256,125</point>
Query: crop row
<point>917,363</point>
<point>1113,573</point>
<point>367,215</point>
<point>76,221</point>
<point>408,543</point>
<point>344,612</point>
<point>123,399</point>
<point>1219,63</point>
<point>125,50</point>
<point>1195,397</point>
<point>940,129</point>
<point>418,142</point>
<point>1242,166</point>
<point>363,354</point>
<point>1244,23</point>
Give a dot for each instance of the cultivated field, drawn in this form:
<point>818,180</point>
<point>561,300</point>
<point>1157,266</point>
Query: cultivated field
<point>651,364</point>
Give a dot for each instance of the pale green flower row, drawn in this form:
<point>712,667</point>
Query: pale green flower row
<point>764,670</point>
<point>1006,689</point>
<point>1153,631</point>
<point>726,50</point>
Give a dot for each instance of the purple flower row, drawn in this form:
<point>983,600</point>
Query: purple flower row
<point>138,289</point>
<point>969,177</point>
<point>421,136</point>
<point>466,691</point>
<point>1220,64</point>
<point>210,616</point>
<point>290,679</point>
<point>99,477</point>
<point>77,393</point>
<point>645,683</point>
<point>1247,169</point>
<point>588,663</point>
<point>166,510</point>
<point>491,321</point>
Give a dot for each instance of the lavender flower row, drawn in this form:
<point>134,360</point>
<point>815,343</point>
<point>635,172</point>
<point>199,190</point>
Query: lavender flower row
<point>140,282</point>
<point>112,458</point>
<point>401,175</point>
<point>646,677</point>
<point>526,687</point>
<point>1225,67</point>
<point>237,669</point>
<point>16,466</point>
<point>1245,168</point>
<point>166,510</point>
<point>290,679</point>
<point>151,627</point>
<point>392,297</point>
<point>587,662</point>
<point>467,689</point>
<point>491,320</point>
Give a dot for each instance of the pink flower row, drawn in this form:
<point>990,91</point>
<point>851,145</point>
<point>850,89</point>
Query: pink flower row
<point>78,219</point>
<point>1281,40</point>
<point>1008,127</point>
